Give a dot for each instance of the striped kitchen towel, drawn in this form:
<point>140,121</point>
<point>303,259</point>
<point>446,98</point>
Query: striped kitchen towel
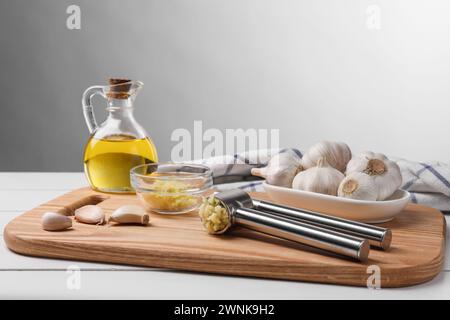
<point>428,183</point>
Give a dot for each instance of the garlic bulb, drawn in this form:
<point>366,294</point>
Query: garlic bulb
<point>358,185</point>
<point>321,179</point>
<point>280,171</point>
<point>130,214</point>
<point>90,214</point>
<point>337,154</point>
<point>385,173</point>
<point>52,221</point>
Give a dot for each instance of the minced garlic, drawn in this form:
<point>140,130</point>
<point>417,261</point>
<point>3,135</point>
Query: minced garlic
<point>214,216</point>
<point>161,197</point>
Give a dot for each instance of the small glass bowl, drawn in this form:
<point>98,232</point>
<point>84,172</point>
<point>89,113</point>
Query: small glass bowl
<point>171,188</point>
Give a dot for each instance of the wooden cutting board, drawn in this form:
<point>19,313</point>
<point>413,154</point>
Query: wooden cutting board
<point>179,242</point>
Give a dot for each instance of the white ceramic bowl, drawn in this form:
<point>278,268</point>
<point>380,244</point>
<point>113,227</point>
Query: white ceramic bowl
<point>359,210</point>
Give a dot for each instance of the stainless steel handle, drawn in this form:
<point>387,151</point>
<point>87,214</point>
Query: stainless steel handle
<point>377,236</point>
<point>313,236</point>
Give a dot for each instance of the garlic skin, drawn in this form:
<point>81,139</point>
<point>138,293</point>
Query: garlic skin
<point>280,170</point>
<point>337,154</point>
<point>359,186</point>
<point>321,179</point>
<point>52,221</point>
<point>90,214</point>
<point>130,214</point>
<point>385,173</point>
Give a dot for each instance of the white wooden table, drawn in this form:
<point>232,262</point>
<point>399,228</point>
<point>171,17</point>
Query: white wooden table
<point>27,277</point>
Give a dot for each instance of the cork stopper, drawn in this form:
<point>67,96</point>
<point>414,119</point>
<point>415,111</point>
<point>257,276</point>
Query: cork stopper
<point>120,88</point>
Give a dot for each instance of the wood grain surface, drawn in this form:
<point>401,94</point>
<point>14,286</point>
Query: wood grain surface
<point>179,242</point>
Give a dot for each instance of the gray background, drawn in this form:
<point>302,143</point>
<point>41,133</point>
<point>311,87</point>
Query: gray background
<point>310,68</point>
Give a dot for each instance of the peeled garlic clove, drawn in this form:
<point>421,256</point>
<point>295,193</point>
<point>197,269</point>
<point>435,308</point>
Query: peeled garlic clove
<point>358,185</point>
<point>130,214</point>
<point>52,221</point>
<point>337,154</point>
<point>90,214</point>
<point>321,179</point>
<point>385,173</point>
<point>280,170</point>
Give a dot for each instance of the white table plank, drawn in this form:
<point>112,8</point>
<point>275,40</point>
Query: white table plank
<point>5,217</point>
<point>46,278</point>
<point>42,180</point>
<point>447,246</point>
<point>23,200</point>
<point>13,261</point>
<point>174,285</point>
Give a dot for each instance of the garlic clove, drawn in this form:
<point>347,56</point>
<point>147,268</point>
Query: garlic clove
<point>90,214</point>
<point>320,179</point>
<point>359,186</point>
<point>280,170</point>
<point>130,214</point>
<point>337,154</point>
<point>52,221</point>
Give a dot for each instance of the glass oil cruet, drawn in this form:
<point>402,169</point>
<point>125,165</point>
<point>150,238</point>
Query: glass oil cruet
<point>119,143</point>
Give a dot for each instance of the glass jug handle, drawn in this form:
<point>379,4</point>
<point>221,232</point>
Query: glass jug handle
<point>87,106</point>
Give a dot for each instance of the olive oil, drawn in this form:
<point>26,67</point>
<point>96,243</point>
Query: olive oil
<point>107,161</point>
